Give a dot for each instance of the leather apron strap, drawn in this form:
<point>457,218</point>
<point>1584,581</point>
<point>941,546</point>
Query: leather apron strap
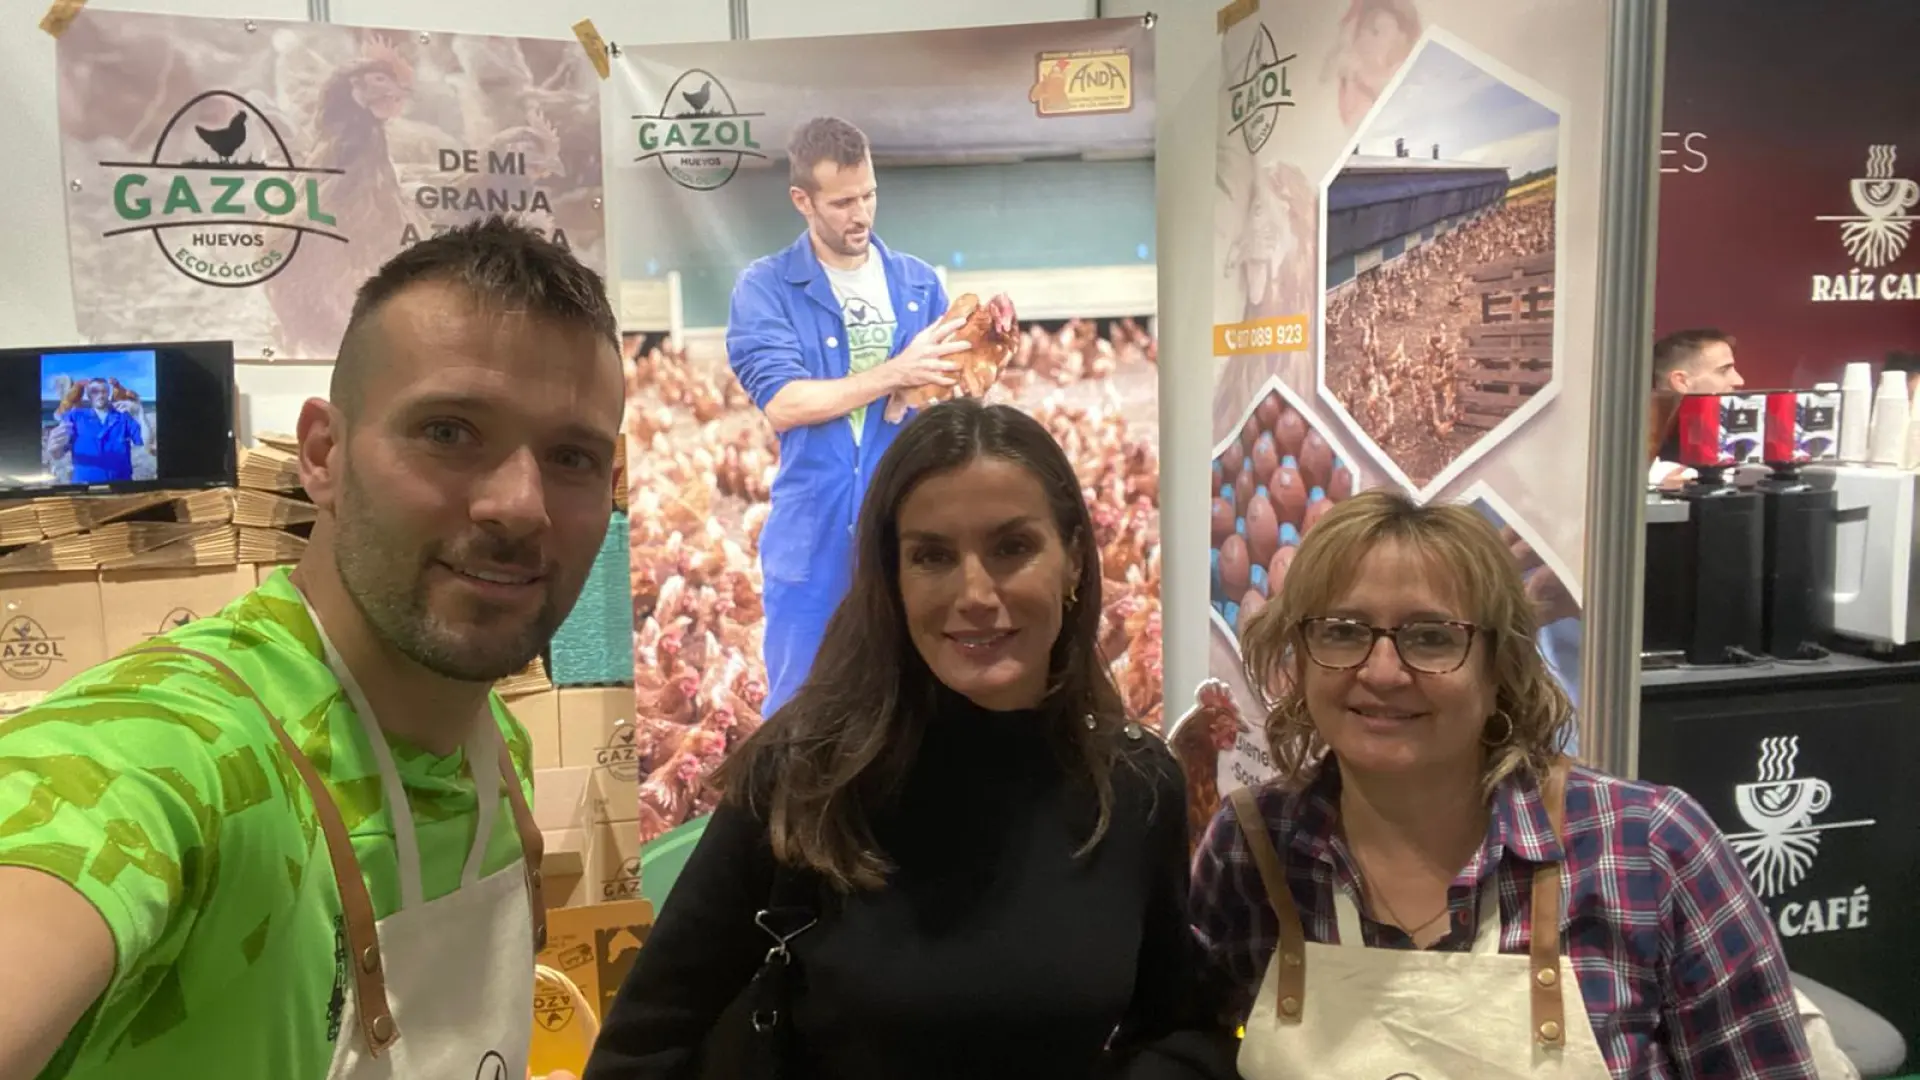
<point>1290,957</point>
<point>532,848</point>
<point>1546,998</point>
<point>375,1011</point>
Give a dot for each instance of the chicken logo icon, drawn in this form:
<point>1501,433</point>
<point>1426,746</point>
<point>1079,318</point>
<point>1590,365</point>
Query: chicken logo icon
<point>1255,99</point>
<point>221,195</point>
<point>174,620</point>
<point>699,137</point>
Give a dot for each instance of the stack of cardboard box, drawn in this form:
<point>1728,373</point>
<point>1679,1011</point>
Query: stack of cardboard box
<point>587,809</point>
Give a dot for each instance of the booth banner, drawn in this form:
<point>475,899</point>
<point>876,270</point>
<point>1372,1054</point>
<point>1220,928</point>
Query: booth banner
<point>1014,163</point>
<point>1407,243</point>
<point>1807,259</point>
<point>239,179</point>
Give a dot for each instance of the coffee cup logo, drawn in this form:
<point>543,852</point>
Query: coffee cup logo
<point>1779,809</point>
<point>1879,232</point>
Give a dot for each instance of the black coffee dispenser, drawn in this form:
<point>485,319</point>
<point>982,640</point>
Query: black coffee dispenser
<point>1798,519</point>
<point>1723,543</point>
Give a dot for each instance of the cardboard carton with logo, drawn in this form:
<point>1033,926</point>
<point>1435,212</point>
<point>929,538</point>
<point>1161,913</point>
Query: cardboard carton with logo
<point>596,731</point>
<point>595,947</point>
<point>139,605</point>
<point>540,715</point>
<point>51,629</point>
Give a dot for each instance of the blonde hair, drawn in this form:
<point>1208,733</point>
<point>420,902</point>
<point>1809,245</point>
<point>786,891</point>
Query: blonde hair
<point>1458,543</point>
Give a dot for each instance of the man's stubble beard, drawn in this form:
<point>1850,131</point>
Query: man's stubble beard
<point>390,592</point>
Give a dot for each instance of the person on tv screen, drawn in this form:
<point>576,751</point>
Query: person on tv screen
<point>100,435</point>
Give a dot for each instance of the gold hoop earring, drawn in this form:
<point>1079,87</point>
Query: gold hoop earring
<point>1073,594</point>
<point>1506,736</point>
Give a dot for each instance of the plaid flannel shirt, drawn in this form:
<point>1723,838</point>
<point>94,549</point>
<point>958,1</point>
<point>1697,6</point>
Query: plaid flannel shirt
<point>1678,963</point>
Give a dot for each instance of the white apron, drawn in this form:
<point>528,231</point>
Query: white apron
<point>1333,1012</point>
<point>442,989</point>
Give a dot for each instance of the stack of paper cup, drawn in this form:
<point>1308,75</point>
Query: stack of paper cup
<point>1887,436</point>
<point>1856,399</point>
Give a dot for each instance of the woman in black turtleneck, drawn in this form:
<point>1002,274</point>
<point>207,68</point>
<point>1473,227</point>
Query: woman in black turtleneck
<point>995,854</point>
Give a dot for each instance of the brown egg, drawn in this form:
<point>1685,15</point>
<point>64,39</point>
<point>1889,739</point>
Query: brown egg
<point>1235,571</point>
<point>1249,431</point>
<point>1232,456</point>
<point>1268,411</point>
<point>1277,570</point>
<point>1250,606</point>
<point>1265,459</point>
<point>1316,460</point>
<point>1315,511</point>
<point>1222,520</point>
<point>1289,494</point>
<point>1340,488</point>
<point>1243,487</point>
<point>1289,430</point>
<point>1263,530</point>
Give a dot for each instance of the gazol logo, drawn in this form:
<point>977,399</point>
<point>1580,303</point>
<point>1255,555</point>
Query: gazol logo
<point>27,651</point>
<point>221,194</point>
<point>699,137</point>
<point>623,883</point>
<point>1260,91</point>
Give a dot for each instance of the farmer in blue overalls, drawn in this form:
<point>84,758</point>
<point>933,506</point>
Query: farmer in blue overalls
<point>821,335</point>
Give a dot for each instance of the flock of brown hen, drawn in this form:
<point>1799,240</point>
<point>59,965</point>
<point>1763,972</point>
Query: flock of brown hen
<point>700,461</point>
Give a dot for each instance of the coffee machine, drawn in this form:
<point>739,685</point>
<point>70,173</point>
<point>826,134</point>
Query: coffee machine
<point>1798,515</point>
<point>1711,564</point>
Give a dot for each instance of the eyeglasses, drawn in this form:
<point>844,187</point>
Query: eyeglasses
<point>1435,647</point>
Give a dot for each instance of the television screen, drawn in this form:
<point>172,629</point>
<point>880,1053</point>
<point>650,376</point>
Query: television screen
<point>124,418</point>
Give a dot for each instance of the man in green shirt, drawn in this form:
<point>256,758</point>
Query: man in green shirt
<point>292,840</point>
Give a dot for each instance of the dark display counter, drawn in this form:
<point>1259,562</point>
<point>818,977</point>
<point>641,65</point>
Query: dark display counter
<point>1812,770</point>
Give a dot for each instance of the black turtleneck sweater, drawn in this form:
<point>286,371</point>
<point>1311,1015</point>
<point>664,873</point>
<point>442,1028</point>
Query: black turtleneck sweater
<point>990,954</point>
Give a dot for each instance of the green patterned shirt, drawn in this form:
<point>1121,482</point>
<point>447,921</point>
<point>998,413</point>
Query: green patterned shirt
<point>167,802</point>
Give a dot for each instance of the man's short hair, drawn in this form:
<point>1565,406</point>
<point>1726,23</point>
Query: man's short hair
<point>503,264</point>
<point>1678,350</point>
<point>823,138</point>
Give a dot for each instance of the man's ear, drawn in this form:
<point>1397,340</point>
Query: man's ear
<point>800,200</point>
<point>1677,380</point>
<point>322,439</point>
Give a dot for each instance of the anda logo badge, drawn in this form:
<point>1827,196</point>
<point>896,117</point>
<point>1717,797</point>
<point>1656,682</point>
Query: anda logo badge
<point>221,195</point>
<point>699,136</point>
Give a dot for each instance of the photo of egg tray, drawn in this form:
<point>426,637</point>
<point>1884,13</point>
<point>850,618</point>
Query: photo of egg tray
<point>1272,481</point>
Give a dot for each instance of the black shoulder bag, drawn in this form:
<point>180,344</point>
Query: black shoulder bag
<point>752,1038</point>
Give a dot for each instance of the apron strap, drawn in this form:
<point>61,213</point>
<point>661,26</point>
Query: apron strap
<point>532,848</point>
<point>363,941</point>
<point>1546,998</point>
<point>1291,956</point>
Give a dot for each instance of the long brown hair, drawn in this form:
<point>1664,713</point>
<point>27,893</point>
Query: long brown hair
<point>848,736</point>
<point>1458,544</point>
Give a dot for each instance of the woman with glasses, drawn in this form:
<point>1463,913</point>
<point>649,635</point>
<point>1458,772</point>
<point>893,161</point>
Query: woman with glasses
<point>1427,889</point>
